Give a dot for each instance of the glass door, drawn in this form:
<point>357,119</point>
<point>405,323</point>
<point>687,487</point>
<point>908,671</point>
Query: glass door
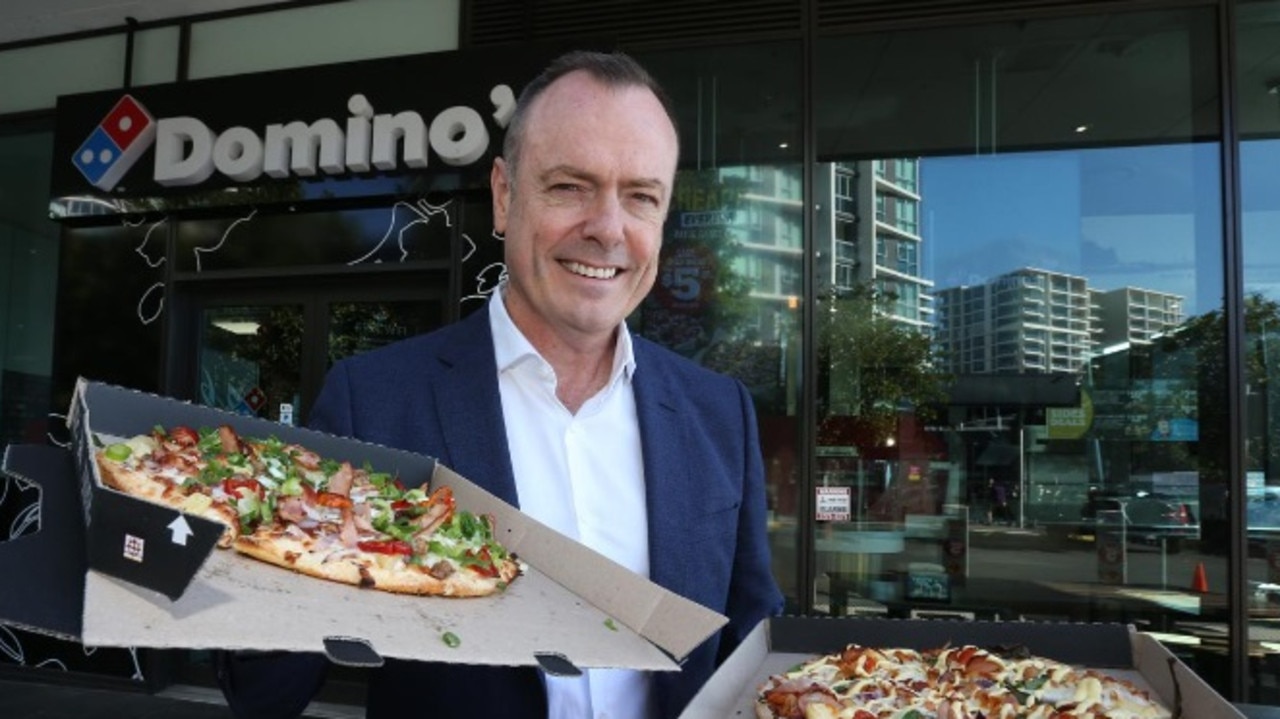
<point>264,352</point>
<point>249,359</point>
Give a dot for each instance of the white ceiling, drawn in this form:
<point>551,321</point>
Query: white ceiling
<point>34,19</point>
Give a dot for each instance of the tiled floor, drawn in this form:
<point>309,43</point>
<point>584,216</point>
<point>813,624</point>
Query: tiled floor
<point>31,700</point>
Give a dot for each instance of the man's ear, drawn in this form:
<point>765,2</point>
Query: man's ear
<point>500,186</point>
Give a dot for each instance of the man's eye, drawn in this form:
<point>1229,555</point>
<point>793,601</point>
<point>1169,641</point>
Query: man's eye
<point>649,199</point>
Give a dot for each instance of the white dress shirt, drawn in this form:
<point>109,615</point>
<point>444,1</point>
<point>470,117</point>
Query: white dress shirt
<point>582,475</point>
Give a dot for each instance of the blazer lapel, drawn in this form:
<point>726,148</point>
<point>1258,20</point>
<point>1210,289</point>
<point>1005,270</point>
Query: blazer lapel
<point>666,471</point>
<point>470,408</point>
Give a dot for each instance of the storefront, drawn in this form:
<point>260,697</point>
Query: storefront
<point>998,275</point>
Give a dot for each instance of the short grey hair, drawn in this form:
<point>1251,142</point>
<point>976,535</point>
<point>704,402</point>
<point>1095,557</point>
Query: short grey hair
<point>612,69</point>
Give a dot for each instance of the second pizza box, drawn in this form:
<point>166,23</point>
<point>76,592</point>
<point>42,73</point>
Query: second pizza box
<point>778,644</point>
<point>151,576</point>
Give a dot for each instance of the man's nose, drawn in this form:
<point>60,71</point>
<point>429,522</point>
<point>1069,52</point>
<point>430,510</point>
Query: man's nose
<point>606,219</point>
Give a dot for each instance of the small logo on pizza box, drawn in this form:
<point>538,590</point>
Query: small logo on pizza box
<point>116,144</point>
<point>134,547</point>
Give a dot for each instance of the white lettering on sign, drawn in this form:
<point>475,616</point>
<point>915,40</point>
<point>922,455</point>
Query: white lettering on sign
<point>833,504</point>
<point>188,152</point>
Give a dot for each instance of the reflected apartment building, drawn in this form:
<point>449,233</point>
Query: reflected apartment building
<point>1033,320</point>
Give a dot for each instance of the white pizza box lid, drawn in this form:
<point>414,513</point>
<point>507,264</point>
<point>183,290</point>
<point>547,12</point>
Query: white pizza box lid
<point>572,608</point>
<point>778,644</point>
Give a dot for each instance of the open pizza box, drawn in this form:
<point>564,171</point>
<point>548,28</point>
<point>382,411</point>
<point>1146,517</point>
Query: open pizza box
<point>778,644</point>
<point>108,569</point>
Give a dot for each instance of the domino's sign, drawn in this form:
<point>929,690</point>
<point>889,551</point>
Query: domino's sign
<point>115,144</point>
<point>188,152</point>
<point>383,127</point>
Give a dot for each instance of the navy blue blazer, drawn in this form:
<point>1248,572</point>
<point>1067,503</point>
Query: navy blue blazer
<point>437,394</point>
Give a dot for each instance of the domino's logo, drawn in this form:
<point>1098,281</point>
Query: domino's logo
<point>116,144</point>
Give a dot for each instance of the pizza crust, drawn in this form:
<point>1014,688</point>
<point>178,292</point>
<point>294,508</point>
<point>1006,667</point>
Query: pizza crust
<point>366,569</point>
<point>140,484</point>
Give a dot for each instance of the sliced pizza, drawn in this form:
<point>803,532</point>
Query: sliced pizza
<point>285,505</point>
<point>964,682</point>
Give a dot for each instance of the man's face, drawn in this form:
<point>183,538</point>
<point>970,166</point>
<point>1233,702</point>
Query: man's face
<point>583,215</point>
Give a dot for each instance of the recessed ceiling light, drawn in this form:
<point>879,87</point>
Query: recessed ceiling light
<point>784,145</point>
<point>237,327</point>
<point>1082,128</point>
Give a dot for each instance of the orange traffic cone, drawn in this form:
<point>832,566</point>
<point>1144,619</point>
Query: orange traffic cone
<point>1198,581</point>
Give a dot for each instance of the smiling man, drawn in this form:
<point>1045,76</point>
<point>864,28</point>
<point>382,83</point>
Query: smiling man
<point>583,219</point>
<point>549,402</point>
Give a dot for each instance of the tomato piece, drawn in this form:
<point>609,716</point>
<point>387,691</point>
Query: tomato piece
<point>401,504</point>
<point>486,568</point>
<point>184,436</point>
<point>233,485</point>
<point>386,546</point>
<point>329,499</point>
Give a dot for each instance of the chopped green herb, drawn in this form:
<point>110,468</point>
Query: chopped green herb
<point>1036,683</point>
<point>213,473</point>
<point>450,640</point>
<point>210,442</point>
<point>608,622</point>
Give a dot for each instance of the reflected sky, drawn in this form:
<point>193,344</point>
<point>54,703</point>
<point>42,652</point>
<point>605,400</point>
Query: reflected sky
<point>1129,216</point>
<point>1260,198</point>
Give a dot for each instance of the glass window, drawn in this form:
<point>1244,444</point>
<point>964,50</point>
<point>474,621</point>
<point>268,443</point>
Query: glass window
<point>33,77</point>
<point>1259,102</point>
<point>28,277</point>
<point>728,292</point>
<point>407,231</point>
<point>974,422</point>
<point>287,38</point>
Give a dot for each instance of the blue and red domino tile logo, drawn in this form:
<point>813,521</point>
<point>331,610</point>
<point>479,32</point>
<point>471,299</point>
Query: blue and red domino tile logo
<point>116,144</point>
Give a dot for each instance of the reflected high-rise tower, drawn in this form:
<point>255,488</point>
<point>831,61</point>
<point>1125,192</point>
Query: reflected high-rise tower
<point>871,237</point>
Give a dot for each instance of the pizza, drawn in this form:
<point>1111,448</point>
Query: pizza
<point>962,682</point>
<point>284,504</point>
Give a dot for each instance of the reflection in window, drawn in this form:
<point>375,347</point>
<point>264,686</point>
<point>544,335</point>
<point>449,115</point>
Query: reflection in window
<point>730,276</point>
<point>1260,188</point>
<point>1035,326</point>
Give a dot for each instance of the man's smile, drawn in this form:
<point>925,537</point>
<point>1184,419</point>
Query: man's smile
<point>595,273</point>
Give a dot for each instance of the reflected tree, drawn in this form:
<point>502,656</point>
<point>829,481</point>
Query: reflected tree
<point>1202,340</point>
<point>875,367</point>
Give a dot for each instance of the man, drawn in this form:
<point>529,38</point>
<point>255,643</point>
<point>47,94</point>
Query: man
<point>546,400</point>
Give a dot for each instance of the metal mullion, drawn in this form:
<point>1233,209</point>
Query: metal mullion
<point>806,569</point>
<point>1233,312</point>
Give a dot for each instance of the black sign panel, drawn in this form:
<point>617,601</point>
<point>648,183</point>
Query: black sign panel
<point>405,125</point>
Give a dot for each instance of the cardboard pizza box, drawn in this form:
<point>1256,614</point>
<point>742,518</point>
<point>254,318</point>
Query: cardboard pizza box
<point>120,571</point>
<point>778,644</point>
